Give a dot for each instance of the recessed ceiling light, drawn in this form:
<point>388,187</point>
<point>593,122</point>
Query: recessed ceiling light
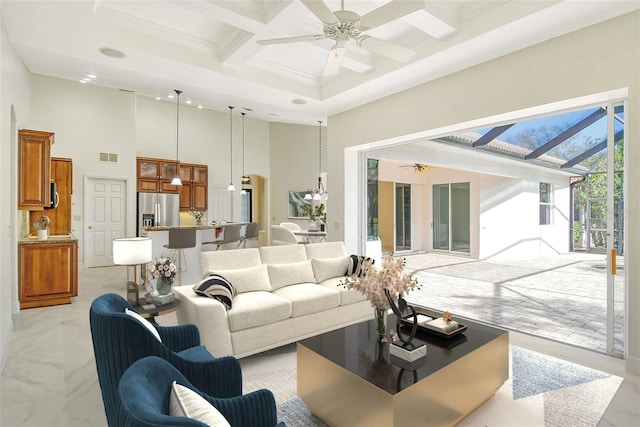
<point>199,107</point>
<point>111,53</point>
<point>299,101</point>
<point>188,101</point>
<point>158,98</point>
<point>170,96</point>
<point>91,76</point>
<point>82,81</point>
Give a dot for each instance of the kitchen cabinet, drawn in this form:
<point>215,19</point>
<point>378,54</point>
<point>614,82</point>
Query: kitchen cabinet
<point>193,193</point>
<point>60,216</point>
<point>155,175</point>
<point>47,272</point>
<point>34,169</point>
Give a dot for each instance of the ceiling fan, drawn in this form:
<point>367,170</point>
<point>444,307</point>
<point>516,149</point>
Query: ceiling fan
<point>344,26</point>
<point>418,168</point>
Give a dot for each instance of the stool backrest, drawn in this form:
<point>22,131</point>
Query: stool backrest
<point>182,238</point>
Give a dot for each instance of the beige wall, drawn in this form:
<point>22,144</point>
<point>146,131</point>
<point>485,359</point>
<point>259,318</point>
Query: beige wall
<point>15,110</point>
<point>597,59</point>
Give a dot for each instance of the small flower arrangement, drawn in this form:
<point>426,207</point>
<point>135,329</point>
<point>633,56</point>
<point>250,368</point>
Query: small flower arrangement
<point>164,267</point>
<point>373,281</point>
<point>197,215</point>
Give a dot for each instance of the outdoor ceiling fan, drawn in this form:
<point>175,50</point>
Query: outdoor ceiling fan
<point>418,168</point>
<point>344,26</point>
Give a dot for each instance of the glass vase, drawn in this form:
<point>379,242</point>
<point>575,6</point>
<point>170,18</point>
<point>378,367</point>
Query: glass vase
<point>380,320</point>
<point>163,285</point>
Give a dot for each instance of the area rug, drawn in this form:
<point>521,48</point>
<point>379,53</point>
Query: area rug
<point>542,391</point>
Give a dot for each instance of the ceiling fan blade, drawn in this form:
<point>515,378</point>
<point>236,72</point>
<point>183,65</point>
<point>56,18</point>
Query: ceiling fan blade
<point>294,39</point>
<point>389,12</point>
<point>334,60</point>
<point>321,10</point>
<point>383,47</point>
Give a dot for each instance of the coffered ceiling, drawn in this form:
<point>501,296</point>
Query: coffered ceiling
<point>210,50</point>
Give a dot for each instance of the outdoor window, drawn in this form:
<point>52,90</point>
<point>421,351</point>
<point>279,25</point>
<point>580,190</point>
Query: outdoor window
<point>545,203</point>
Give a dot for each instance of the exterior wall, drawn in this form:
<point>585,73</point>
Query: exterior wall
<point>519,82</point>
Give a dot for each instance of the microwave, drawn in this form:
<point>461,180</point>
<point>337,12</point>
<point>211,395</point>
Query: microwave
<point>55,199</point>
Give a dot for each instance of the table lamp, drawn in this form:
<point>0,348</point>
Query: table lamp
<point>132,251</point>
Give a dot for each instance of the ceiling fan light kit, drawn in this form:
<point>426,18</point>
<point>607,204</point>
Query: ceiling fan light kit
<point>345,25</point>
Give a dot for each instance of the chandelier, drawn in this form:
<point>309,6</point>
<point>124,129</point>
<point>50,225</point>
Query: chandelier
<point>319,192</point>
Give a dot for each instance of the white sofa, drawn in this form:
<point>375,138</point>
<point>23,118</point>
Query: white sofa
<point>284,294</point>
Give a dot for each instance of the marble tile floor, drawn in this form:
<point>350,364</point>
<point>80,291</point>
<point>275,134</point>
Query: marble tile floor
<point>49,377</point>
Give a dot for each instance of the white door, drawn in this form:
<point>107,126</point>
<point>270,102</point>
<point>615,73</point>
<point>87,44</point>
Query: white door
<point>105,207</point>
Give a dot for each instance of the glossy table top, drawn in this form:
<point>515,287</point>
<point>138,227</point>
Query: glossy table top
<point>357,349</point>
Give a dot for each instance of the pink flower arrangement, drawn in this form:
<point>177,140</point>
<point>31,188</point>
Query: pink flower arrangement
<point>373,281</point>
<point>163,267</point>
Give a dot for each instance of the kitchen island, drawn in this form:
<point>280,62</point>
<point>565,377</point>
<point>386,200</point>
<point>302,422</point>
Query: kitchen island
<point>191,261</point>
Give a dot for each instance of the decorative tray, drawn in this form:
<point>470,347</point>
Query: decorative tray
<point>423,327</point>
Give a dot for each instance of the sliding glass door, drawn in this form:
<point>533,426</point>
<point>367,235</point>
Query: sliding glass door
<point>403,217</point>
<point>451,217</point>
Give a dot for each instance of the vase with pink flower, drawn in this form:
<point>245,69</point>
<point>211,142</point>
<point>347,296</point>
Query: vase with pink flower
<point>163,270</point>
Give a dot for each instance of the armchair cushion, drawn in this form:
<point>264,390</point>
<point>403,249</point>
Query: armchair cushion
<point>183,402</point>
<point>144,322</point>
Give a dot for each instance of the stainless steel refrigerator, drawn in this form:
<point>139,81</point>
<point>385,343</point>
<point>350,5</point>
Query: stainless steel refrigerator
<point>158,210</point>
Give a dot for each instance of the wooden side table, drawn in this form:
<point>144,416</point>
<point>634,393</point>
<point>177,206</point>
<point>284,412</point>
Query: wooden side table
<point>159,310</point>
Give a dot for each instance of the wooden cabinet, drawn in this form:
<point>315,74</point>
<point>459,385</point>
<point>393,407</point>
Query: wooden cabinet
<point>34,170</point>
<point>193,193</point>
<point>47,273</point>
<point>62,175</point>
<point>155,175</point>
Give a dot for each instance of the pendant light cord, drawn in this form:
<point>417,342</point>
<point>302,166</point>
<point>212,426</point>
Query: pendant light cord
<point>178,92</point>
<point>243,114</point>
<point>319,147</point>
<point>231,140</point>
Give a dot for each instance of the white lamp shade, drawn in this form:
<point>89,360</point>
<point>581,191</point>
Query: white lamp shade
<point>132,250</point>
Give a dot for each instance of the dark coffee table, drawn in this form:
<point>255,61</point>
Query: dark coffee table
<point>347,377</point>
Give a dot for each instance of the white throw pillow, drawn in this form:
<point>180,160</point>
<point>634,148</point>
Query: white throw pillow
<point>184,402</point>
<point>144,322</point>
<point>290,274</point>
<point>328,268</point>
<point>247,279</point>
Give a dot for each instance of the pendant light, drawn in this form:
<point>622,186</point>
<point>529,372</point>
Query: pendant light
<point>176,179</point>
<point>231,187</point>
<point>319,192</point>
<point>244,179</point>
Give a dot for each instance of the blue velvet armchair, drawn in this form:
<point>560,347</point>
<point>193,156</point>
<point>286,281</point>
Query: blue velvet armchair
<point>145,388</point>
<point>119,340</point>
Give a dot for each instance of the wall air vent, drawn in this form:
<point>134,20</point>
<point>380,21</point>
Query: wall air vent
<point>108,157</point>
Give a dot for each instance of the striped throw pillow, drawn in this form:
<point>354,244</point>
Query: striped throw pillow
<point>217,287</point>
<point>355,265</point>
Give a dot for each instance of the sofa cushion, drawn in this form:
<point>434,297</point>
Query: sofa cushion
<point>347,296</point>
<point>325,250</point>
<point>282,254</point>
<point>144,322</point>
<point>247,279</point>
<point>355,265</point>
<point>251,309</point>
<point>290,274</point>
<point>228,259</point>
<point>184,402</point>
<point>307,298</point>
<point>217,287</point>
<point>327,268</point>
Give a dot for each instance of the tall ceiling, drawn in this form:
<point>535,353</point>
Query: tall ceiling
<point>209,48</point>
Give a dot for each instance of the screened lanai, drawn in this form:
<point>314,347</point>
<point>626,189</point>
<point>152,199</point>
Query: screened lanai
<point>576,144</point>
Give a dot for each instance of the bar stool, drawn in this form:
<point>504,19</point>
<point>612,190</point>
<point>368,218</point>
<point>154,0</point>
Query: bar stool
<point>231,234</point>
<point>250,233</point>
<point>179,240</point>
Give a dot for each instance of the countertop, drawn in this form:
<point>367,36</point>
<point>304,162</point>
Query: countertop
<point>33,240</point>
<point>197,227</point>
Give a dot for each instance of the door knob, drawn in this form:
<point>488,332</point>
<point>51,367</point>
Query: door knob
<point>91,227</point>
